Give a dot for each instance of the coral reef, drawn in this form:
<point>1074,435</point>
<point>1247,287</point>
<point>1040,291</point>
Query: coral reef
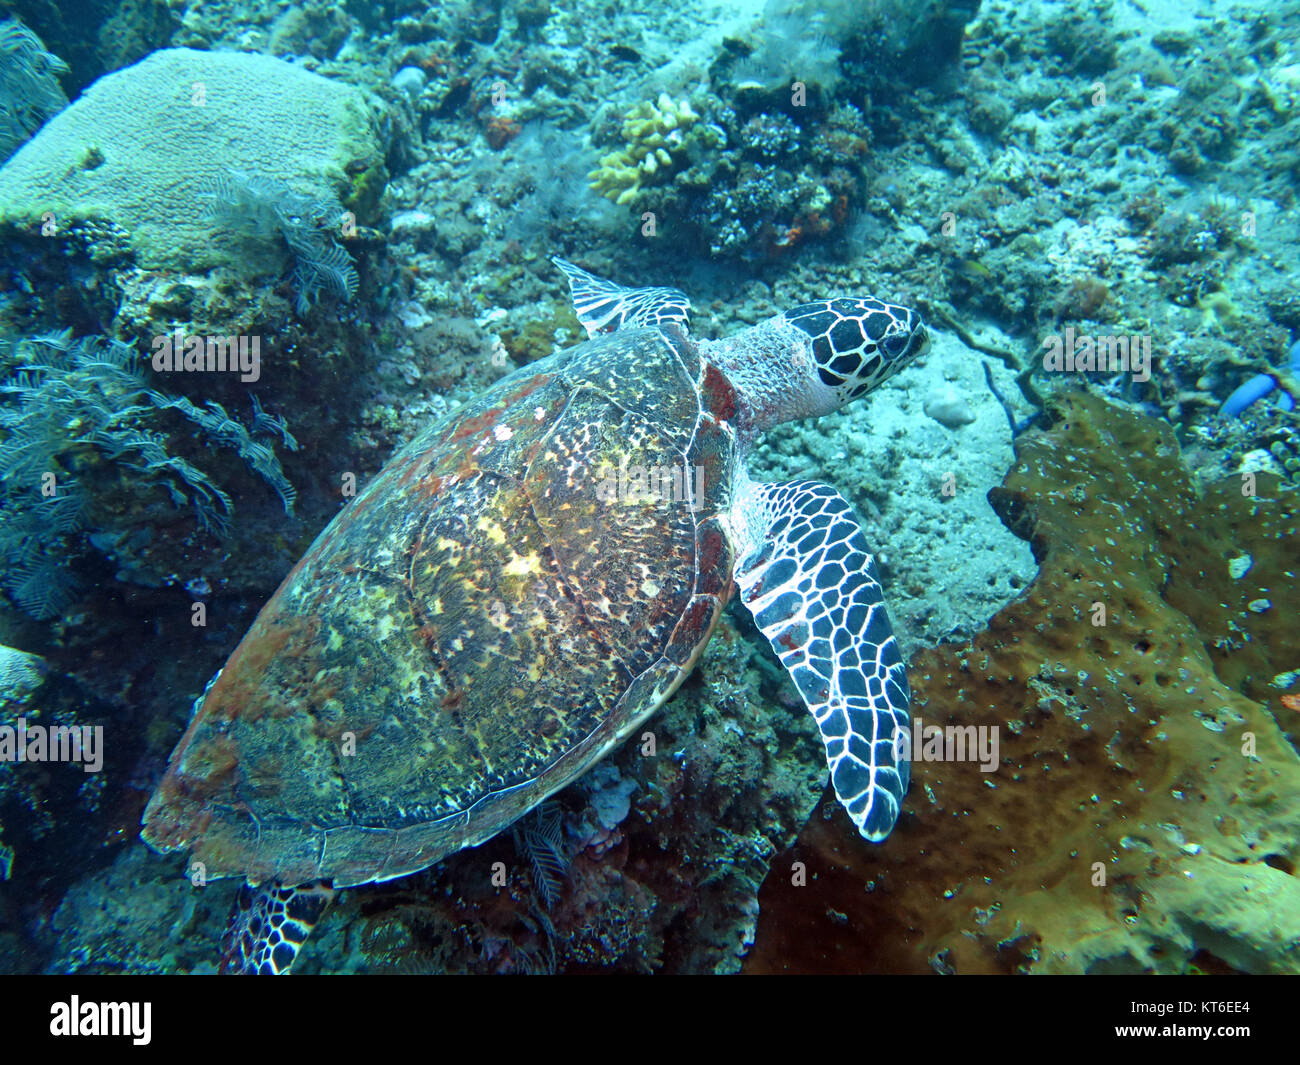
<point>127,919</point>
<point>261,206</point>
<point>1015,169</point>
<point>52,807</point>
<point>21,675</point>
<point>75,408</point>
<point>1145,812</point>
<point>112,156</point>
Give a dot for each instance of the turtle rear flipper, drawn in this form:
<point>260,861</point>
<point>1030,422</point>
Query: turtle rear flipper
<point>804,571</point>
<point>604,307</point>
<point>270,924</point>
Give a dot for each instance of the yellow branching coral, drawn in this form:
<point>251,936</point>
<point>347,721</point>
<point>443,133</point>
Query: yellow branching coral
<point>655,137</point>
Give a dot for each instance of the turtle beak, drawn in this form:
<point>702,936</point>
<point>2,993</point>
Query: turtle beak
<point>918,341</point>
<point>923,336</point>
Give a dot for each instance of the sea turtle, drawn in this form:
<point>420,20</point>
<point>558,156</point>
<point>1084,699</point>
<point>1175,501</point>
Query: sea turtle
<point>521,586</point>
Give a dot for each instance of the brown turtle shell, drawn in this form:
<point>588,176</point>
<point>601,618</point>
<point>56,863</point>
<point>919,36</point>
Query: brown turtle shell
<point>473,631</point>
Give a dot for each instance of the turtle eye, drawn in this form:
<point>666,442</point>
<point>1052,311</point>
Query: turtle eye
<point>895,346</point>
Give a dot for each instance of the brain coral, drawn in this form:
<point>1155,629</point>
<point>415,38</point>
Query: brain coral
<point>1145,815</point>
<point>140,148</point>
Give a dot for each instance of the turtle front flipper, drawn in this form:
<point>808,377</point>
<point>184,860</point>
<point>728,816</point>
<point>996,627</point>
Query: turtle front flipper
<point>270,924</point>
<point>804,572</point>
<point>604,307</point>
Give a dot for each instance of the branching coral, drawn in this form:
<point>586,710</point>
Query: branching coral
<point>74,405</point>
<point>655,134</point>
<point>1145,815</point>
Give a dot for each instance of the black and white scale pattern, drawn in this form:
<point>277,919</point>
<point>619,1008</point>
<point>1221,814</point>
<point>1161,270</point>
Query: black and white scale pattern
<point>814,591</point>
<point>858,342</point>
<point>270,925</point>
<point>604,307</point>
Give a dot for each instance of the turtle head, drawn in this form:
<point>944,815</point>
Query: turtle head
<point>816,357</point>
<point>857,343</point>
